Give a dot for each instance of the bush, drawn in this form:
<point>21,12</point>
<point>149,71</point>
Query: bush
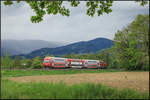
<point>146,68</point>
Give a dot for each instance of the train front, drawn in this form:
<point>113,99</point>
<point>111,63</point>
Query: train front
<point>47,63</point>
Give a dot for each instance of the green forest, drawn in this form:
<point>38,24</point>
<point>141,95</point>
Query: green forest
<point>130,50</point>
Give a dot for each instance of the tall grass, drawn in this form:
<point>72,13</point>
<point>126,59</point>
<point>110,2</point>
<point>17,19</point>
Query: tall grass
<point>15,90</point>
<point>13,73</point>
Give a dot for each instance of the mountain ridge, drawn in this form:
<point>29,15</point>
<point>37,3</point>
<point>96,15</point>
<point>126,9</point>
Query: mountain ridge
<point>81,47</point>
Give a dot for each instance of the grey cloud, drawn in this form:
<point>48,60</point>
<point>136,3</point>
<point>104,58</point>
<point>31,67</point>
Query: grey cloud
<point>12,10</point>
<point>77,27</point>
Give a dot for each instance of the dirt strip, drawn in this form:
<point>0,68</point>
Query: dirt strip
<point>133,80</point>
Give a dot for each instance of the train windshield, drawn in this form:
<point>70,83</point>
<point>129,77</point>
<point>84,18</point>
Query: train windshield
<point>46,61</point>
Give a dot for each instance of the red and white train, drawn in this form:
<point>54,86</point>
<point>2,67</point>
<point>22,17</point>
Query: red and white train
<point>56,62</point>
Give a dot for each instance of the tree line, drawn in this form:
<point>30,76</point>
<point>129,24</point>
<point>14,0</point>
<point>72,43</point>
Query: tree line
<point>20,63</point>
<point>130,50</point>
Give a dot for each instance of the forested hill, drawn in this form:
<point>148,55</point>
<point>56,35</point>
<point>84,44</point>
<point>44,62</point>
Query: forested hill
<point>82,47</point>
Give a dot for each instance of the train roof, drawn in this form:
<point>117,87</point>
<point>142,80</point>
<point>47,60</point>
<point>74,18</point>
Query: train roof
<point>59,58</point>
<point>55,57</point>
<point>48,57</point>
<point>90,60</point>
<point>73,59</point>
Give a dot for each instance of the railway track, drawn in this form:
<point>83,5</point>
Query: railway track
<point>69,69</point>
<point>58,69</point>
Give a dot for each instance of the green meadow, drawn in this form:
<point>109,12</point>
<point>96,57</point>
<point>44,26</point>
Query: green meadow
<point>14,73</point>
<point>15,90</point>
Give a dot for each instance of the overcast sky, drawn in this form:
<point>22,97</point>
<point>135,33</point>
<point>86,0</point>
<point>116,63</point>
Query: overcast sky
<point>16,24</point>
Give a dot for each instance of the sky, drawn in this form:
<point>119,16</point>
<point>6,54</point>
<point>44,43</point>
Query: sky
<point>16,24</point>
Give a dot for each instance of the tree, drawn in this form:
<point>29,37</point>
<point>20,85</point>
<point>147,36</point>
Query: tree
<point>66,56</point>
<point>91,55</point>
<point>139,40</point>
<point>2,62</point>
<point>7,62</point>
<point>49,55</point>
<point>73,55</point>
<point>26,63</point>
<point>104,55</point>
<point>42,7</point>
<point>36,63</point>
<point>132,44</point>
<point>16,62</point>
<point>84,56</point>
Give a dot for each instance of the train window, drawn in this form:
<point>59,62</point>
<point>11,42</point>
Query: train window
<point>60,64</point>
<point>92,65</point>
<point>46,61</point>
<point>92,62</point>
<point>59,60</point>
<point>76,63</point>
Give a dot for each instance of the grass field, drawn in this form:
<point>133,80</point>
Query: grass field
<point>31,90</point>
<point>47,90</point>
<point>14,73</point>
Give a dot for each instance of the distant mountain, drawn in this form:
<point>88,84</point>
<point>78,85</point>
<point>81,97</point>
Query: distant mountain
<point>79,48</point>
<point>15,47</point>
